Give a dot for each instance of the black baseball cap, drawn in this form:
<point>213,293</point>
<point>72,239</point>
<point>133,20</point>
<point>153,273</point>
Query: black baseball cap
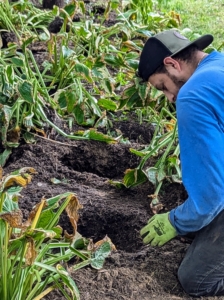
<point>163,44</point>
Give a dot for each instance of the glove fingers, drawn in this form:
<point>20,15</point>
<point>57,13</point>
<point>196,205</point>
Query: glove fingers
<point>155,242</point>
<point>161,243</point>
<point>147,227</point>
<point>144,230</point>
<point>149,238</point>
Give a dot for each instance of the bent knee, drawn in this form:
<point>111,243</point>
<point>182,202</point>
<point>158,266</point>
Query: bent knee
<point>194,286</point>
<point>190,282</point>
<point>187,281</point>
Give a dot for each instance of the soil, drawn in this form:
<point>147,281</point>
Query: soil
<point>134,271</point>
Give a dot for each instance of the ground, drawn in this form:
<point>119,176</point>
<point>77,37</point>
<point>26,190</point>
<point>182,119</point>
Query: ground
<point>134,271</point>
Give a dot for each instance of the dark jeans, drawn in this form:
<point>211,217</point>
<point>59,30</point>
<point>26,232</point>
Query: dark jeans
<point>201,272</point>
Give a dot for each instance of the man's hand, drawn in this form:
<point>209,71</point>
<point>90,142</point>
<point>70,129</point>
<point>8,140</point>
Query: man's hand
<point>158,231</point>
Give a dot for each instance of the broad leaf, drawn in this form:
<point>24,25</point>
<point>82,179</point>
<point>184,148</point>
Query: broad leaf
<point>26,91</point>
<point>134,177</point>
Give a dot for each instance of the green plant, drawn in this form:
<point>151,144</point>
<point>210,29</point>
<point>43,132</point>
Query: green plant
<point>33,253</point>
<point>164,150</point>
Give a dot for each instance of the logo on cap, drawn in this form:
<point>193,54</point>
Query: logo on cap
<point>179,36</point>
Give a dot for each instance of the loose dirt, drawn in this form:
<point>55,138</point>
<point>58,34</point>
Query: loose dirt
<point>134,271</point>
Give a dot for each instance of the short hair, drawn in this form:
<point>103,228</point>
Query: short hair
<point>186,55</point>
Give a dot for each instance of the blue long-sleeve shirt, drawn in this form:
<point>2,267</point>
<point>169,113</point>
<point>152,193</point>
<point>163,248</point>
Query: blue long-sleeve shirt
<point>200,115</point>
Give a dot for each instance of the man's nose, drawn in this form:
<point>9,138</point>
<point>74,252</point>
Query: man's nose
<point>169,96</point>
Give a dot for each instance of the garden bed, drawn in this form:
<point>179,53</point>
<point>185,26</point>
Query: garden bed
<point>134,271</point>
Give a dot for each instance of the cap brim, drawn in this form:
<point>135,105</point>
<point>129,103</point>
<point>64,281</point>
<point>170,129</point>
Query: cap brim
<point>202,43</point>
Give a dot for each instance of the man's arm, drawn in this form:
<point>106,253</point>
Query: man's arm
<point>201,141</point>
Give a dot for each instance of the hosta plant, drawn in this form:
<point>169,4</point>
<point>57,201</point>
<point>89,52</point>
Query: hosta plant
<point>34,252</point>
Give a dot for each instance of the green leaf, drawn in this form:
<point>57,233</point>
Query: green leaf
<point>92,101</point>
<point>4,156</point>
<point>56,181</point>
<point>144,32</point>
<point>70,9</point>
<point>45,217</point>
<point>58,230</point>
<point>71,100</point>
<point>151,174</point>
<point>97,73</point>
<point>113,60</point>
<point>83,69</point>
<point>26,91</point>
<point>92,134</point>
<point>62,101</point>
<point>161,175</point>
<point>69,282</point>
<point>108,86</point>
<point>10,74</point>
<point>9,205</point>
<point>134,177</point>
<point>133,99</point>
<point>115,4</point>
<point>82,7</point>
<point>117,184</point>
<point>29,137</point>
<point>99,256</point>
<point>136,152</point>
<point>107,104</point>
<point>79,114</point>
<point>133,63</point>
<point>66,52</point>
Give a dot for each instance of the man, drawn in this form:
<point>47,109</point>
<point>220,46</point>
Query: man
<point>195,81</point>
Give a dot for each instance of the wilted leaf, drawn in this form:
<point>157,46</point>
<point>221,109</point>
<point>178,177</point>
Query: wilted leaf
<point>72,212</point>
<point>93,247</point>
<point>24,170</point>
<point>13,136</point>
<point>13,180</point>
<point>14,218</point>
<point>171,125</point>
<point>34,211</point>
<point>30,253</point>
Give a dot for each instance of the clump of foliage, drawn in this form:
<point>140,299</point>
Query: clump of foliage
<point>34,252</point>
<point>87,66</point>
<point>89,71</point>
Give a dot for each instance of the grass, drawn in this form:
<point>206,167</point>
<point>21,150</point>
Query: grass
<point>201,16</point>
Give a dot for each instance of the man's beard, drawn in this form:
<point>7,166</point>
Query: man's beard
<point>177,81</point>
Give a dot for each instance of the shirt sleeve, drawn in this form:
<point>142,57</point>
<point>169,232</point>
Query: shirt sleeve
<point>201,139</point>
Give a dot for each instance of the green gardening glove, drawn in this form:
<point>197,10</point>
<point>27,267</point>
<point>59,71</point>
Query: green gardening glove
<point>158,231</point>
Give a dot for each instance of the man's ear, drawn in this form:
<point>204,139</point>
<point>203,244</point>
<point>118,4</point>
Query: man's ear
<point>169,62</point>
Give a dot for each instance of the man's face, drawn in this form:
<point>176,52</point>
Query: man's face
<point>168,83</point>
